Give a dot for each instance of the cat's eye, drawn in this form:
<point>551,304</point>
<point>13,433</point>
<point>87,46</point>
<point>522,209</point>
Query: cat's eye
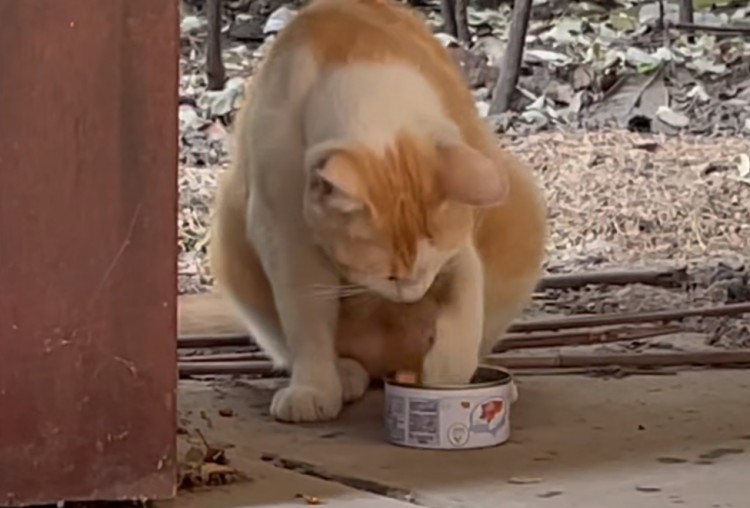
<point>393,278</point>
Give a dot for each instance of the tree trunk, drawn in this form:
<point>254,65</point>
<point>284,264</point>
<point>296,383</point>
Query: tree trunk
<point>448,11</point>
<point>462,21</point>
<point>214,62</point>
<point>511,65</point>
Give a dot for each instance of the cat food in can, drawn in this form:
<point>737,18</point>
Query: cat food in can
<point>462,417</point>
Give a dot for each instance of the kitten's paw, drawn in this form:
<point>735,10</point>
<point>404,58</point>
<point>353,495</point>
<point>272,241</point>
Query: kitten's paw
<point>354,379</point>
<point>300,403</point>
<point>513,392</point>
<point>442,367</point>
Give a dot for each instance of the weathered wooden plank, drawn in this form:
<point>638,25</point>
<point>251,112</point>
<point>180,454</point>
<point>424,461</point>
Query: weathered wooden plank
<point>88,159</point>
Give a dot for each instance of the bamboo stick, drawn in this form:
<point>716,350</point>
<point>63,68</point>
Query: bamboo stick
<point>218,340</point>
<point>568,322</point>
<point>564,339</point>
<point>513,341</point>
<point>505,86</point>
<point>188,369</point>
<point>706,358</point>
<point>225,357</point>
<point>215,70</point>
<point>629,318</point>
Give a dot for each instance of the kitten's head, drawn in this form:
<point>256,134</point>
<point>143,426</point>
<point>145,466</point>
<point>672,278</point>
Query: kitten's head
<point>393,221</point>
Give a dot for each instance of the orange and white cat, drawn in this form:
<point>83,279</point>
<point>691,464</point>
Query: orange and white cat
<point>361,165</point>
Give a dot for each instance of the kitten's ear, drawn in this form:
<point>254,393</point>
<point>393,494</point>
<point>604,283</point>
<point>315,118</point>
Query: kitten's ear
<point>334,181</point>
<point>469,177</point>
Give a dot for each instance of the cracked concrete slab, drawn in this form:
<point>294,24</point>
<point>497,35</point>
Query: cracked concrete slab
<point>577,442</point>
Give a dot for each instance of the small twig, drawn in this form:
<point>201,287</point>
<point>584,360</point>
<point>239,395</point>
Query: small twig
<point>724,30</point>
<point>628,318</point>
<point>511,65</point>
<point>203,438</point>
<point>215,70</point>
<point>673,277</point>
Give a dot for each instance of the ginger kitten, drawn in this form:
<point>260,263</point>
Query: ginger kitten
<point>361,165</point>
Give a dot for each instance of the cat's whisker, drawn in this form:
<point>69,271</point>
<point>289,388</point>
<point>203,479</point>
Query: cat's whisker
<point>353,292</point>
<point>335,286</point>
<point>332,292</point>
<point>365,297</point>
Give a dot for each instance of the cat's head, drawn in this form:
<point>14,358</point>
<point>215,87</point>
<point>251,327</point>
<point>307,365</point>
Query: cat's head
<point>392,221</point>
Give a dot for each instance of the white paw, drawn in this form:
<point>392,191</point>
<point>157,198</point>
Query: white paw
<point>354,379</point>
<point>442,367</point>
<point>301,403</point>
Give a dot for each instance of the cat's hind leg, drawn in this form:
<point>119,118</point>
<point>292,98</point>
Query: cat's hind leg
<point>236,267</point>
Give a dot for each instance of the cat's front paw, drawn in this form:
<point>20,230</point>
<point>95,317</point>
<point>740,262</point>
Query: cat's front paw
<point>513,392</point>
<point>301,403</point>
<point>354,379</point>
<point>448,368</point>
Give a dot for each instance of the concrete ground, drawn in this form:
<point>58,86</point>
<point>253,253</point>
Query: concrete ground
<point>577,442</point>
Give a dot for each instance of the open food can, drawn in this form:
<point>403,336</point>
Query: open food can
<point>451,417</point>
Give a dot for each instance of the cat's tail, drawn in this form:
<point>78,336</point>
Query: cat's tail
<point>237,269</point>
<point>233,261</point>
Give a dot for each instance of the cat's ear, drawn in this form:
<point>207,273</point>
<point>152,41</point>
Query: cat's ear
<point>334,182</point>
<point>469,177</point>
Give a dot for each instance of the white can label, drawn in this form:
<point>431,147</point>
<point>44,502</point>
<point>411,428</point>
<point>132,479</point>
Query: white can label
<point>439,420</point>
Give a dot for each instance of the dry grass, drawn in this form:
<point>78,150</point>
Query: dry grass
<point>623,199</point>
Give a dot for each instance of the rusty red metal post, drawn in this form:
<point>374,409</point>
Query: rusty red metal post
<point>88,159</point>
